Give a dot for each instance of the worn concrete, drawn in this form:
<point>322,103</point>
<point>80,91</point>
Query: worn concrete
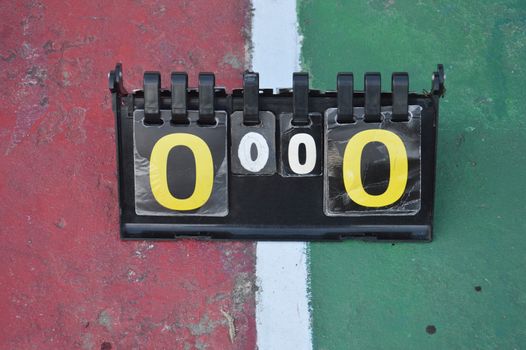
<point>67,281</point>
<point>467,289</point>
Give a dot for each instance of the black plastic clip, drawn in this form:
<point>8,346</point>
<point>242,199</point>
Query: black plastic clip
<point>300,99</point>
<point>206,98</point>
<point>438,87</point>
<point>251,98</point>
<point>152,86</point>
<point>373,95</point>
<point>400,93</point>
<point>345,90</point>
<point>116,82</point>
<point>179,90</point>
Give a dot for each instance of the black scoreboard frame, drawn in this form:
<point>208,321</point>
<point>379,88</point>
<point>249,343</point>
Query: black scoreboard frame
<point>274,207</point>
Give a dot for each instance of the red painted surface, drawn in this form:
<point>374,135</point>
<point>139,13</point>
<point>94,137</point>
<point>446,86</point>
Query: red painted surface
<point>66,280</point>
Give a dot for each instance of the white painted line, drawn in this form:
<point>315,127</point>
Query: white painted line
<point>282,301</point>
<point>282,305</point>
<point>276,42</point>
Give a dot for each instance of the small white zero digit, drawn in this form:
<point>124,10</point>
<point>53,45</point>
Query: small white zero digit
<point>294,153</point>
<point>244,154</point>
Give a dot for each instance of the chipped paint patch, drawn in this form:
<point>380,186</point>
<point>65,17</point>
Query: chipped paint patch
<point>104,319</point>
<point>233,61</point>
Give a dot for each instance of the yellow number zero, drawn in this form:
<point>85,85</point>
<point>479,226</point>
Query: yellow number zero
<point>352,168</point>
<point>204,171</point>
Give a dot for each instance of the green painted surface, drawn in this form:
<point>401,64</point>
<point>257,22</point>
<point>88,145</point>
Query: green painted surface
<point>375,295</point>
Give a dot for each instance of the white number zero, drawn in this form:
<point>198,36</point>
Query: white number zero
<point>294,154</point>
<point>244,154</point>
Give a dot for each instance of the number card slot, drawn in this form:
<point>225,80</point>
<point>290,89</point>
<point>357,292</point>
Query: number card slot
<point>152,86</point>
<point>181,170</point>
<point>206,98</point>
<point>179,84</point>
<point>345,89</point>
<point>253,148</point>
<point>300,98</point>
<point>373,94</point>
<point>400,89</point>
<point>372,168</point>
<point>251,98</point>
<point>301,146</point>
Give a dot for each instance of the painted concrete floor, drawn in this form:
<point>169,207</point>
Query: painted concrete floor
<point>67,280</point>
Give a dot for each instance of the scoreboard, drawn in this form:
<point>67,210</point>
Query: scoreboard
<point>287,164</point>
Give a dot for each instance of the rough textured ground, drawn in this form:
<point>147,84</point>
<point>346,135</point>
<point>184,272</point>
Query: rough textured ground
<point>66,280</point>
<point>467,289</point>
